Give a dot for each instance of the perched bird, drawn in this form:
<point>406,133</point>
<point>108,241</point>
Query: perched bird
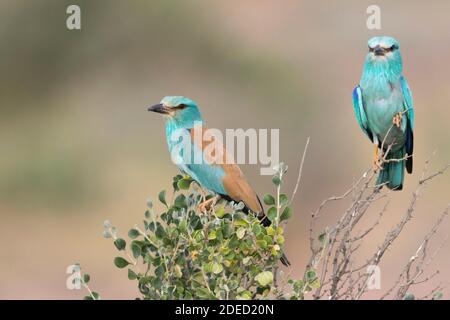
<point>216,171</point>
<point>384,110</point>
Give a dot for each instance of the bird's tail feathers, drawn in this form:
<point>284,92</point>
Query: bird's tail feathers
<point>393,172</point>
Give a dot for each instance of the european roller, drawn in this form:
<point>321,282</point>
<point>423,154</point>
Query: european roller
<point>214,171</point>
<point>384,110</point>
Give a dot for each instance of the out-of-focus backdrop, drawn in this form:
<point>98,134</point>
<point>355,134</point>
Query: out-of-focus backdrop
<point>78,147</point>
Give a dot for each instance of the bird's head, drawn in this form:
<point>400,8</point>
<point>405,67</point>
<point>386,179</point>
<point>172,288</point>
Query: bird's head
<point>384,50</point>
<point>181,111</point>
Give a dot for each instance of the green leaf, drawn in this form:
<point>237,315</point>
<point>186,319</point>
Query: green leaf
<point>135,249</point>
<point>107,224</point>
<point>162,197</point>
<point>286,214</point>
<point>409,296</point>
<point>227,230</point>
<point>133,233</point>
<point>184,184</point>
<point>261,243</point>
<point>113,231</point>
<point>276,180</point>
<point>246,295</point>
<point>280,239</point>
<point>177,271</point>
<point>272,214</point>
<point>241,223</point>
<point>322,238</point>
<point>208,267</point>
<point>311,276</point>
<point>257,229</point>
<point>212,235</point>
<point>149,203</point>
<point>283,199</point>
<point>160,232</point>
<point>239,206</point>
<point>269,199</point>
<point>297,285</point>
<point>315,284</point>
<point>220,212</point>
<point>240,233</point>
<point>182,226</point>
<point>264,278</point>
<point>86,278</point>
<point>132,275</point>
<point>275,250</point>
<point>437,295</point>
<point>148,214</point>
<point>217,268</point>
<point>268,239</point>
<point>280,167</point>
<point>120,262</point>
<point>96,295</point>
<point>202,293</point>
<point>270,230</point>
<point>120,244</point>
<point>180,201</point>
<point>106,234</point>
<point>159,271</point>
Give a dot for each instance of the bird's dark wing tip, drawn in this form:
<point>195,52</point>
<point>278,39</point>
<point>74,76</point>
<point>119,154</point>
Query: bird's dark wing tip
<point>284,260</point>
<point>409,165</point>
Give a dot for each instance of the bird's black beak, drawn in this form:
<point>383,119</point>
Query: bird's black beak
<point>379,51</point>
<point>159,108</point>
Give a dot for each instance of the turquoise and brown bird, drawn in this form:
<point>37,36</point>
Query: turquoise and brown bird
<point>214,171</point>
<point>384,110</point>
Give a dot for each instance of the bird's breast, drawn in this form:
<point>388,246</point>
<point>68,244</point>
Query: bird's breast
<point>381,108</point>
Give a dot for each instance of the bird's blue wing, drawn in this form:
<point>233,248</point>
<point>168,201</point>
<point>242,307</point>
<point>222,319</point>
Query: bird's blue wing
<point>208,175</point>
<point>408,101</point>
<point>360,113</point>
<point>190,159</point>
<point>408,104</point>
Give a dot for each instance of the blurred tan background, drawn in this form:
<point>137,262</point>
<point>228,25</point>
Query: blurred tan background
<point>79,147</point>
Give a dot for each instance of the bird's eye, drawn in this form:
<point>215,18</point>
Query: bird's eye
<point>180,107</point>
<point>393,47</point>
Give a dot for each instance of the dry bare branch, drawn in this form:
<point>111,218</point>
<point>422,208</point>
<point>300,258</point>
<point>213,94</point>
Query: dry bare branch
<point>333,255</point>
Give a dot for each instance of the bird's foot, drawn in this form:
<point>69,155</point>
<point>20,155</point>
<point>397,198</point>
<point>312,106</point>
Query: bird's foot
<point>377,164</point>
<point>206,205</point>
<point>397,120</point>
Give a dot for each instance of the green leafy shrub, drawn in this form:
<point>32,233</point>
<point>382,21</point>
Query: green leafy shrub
<point>183,253</point>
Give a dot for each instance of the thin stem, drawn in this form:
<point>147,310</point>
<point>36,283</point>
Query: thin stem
<point>300,170</point>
